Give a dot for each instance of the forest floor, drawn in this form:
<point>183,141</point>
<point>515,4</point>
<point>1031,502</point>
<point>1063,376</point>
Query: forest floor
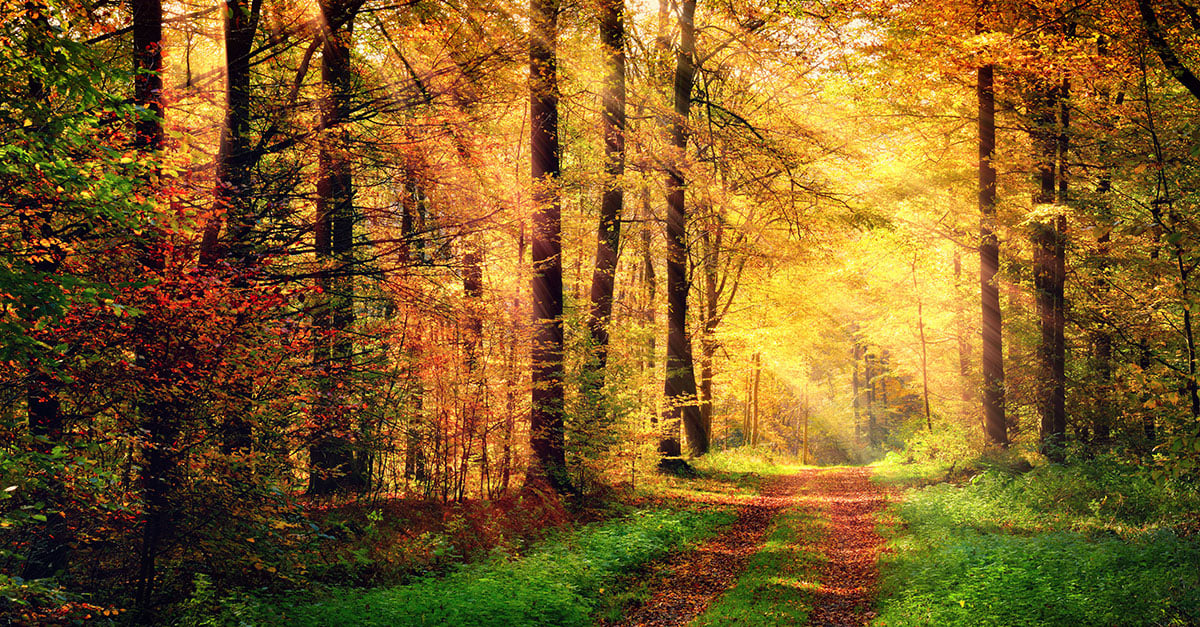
<point>837,586</point>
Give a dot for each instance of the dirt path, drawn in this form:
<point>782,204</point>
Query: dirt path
<point>852,547</point>
<point>695,579</point>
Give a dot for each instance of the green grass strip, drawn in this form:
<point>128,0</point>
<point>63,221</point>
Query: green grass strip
<point>779,581</point>
<point>1055,547</point>
<point>558,583</point>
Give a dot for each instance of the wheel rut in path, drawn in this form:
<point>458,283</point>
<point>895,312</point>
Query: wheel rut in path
<point>847,581</point>
<point>699,576</point>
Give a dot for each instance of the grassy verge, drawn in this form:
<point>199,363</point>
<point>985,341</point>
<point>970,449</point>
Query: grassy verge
<point>1094,544</point>
<point>778,583</point>
<point>556,583</point>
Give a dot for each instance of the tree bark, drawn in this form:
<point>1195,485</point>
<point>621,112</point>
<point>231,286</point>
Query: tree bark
<point>712,240</point>
<point>232,196</point>
<point>546,430</point>
<point>962,337</point>
<point>995,427</point>
<point>612,42</point>
<point>1048,275</point>
<point>872,424</point>
<point>680,385</point>
<point>49,544</point>
<point>924,348</point>
<point>754,396</point>
<point>858,355</point>
<point>335,466</point>
<point>160,411</point>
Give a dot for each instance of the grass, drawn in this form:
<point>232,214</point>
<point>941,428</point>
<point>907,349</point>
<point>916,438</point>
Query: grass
<point>559,582</point>
<point>1090,544</point>
<point>778,583</point>
<point>576,575</point>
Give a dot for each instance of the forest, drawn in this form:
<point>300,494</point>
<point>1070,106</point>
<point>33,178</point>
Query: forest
<point>599,312</point>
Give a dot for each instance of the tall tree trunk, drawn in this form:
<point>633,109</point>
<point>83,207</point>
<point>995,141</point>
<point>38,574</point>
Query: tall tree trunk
<point>856,400</point>
<point>649,290</point>
<point>754,395</point>
<point>924,348</point>
<point>160,416</point>
<point>612,42</point>
<point>712,240</point>
<point>546,432</point>
<point>680,385</point>
<point>872,424</point>
<point>335,466</point>
<point>1048,279</point>
<point>1102,340</point>
<point>472,342</point>
<point>995,427</point>
<point>232,196</point>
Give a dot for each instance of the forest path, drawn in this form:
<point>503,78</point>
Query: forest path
<point>847,580</point>
<point>690,581</point>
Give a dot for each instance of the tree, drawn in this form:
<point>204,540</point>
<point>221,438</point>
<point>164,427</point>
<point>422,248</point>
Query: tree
<point>1048,234</point>
<point>612,42</point>
<point>546,432</point>
<point>335,465</point>
<point>1166,53</point>
<point>680,386</point>
<point>232,196</point>
<point>994,424</point>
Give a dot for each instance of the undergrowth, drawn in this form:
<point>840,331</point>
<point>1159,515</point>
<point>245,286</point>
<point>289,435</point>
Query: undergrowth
<point>1096,543</point>
<point>556,583</point>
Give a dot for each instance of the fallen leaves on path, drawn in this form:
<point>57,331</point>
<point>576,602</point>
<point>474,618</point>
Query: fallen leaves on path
<point>695,578</point>
<point>851,545</point>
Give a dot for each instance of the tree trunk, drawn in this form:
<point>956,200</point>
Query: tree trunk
<point>754,396</point>
<point>612,42</point>
<point>858,355</point>
<point>472,342</point>
<point>924,348</point>
<point>804,459</point>
<point>962,337</point>
<point>680,385</point>
<point>1048,279</point>
<point>546,432</point>
<point>708,340</point>
<point>335,466</point>
<point>159,415</point>
<point>1102,340</point>
<point>995,427</point>
<point>870,375</point>
<point>232,196</point>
